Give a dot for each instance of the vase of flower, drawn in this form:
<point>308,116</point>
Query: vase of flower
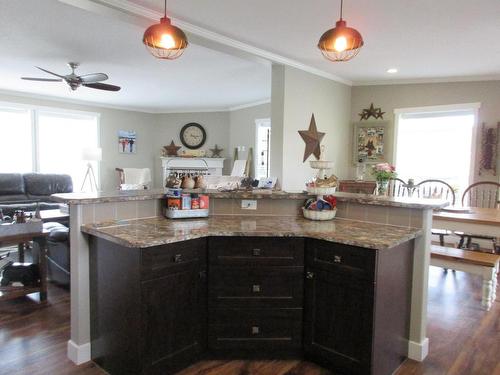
<point>383,172</point>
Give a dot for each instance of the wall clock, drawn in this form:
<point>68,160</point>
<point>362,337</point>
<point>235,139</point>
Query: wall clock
<point>193,135</point>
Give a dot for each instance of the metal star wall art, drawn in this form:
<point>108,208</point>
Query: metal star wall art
<point>312,139</point>
<point>216,151</point>
<point>376,113</point>
<point>171,149</point>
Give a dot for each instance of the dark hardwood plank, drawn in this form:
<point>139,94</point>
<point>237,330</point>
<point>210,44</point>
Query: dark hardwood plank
<point>464,338</point>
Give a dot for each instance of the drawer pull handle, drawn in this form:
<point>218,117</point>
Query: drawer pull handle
<point>255,330</point>
<point>256,252</point>
<point>337,259</point>
<point>310,275</point>
<point>256,288</point>
<point>177,258</point>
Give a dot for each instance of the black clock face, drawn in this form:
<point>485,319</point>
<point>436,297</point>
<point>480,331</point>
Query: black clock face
<point>193,135</point>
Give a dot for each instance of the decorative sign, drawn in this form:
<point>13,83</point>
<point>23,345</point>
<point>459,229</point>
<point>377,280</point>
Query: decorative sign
<point>369,142</point>
<point>127,142</point>
<point>489,149</point>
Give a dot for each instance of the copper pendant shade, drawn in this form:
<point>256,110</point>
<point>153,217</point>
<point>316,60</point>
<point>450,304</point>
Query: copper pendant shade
<point>341,43</point>
<point>164,40</point>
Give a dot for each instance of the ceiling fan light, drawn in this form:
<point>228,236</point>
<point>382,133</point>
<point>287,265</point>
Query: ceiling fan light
<point>164,40</point>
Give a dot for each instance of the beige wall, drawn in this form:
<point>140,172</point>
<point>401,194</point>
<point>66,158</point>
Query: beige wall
<point>303,95</point>
<point>243,129</point>
<point>390,97</point>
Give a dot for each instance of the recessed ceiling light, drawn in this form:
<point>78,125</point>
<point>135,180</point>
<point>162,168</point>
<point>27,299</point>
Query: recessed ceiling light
<point>392,70</point>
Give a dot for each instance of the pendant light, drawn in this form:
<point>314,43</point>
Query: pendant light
<point>164,40</point>
<point>341,43</point>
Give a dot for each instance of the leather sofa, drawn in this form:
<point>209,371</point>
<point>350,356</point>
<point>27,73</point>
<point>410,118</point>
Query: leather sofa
<point>25,192</point>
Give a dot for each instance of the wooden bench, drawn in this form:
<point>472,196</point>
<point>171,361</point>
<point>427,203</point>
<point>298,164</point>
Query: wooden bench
<point>477,263</point>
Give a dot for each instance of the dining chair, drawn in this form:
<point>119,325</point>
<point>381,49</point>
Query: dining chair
<point>436,189</point>
<point>397,188</point>
<point>484,194</point>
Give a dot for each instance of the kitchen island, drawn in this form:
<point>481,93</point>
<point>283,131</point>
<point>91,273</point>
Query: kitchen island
<point>356,213</point>
<point>166,293</point>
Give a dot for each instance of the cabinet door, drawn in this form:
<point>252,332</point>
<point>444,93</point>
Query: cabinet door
<point>338,321</point>
<point>174,316</point>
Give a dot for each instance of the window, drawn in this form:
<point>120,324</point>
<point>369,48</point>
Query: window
<point>263,146</point>
<point>436,143</point>
<point>47,141</point>
<point>16,145</point>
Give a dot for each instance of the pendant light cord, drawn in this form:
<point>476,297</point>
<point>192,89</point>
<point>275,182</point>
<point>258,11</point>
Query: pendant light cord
<point>165,9</point>
<point>341,7</point>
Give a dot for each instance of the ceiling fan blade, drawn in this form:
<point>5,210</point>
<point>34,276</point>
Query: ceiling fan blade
<point>94,77</point>
<point>102,86</point>
<point>42,79</point>
<point>48,71</point>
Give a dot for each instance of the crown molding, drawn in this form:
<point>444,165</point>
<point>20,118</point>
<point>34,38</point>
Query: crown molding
<point>249,105</point>
<point>156,111</point>
<point>81,102</point>
<point>141,11</point>
<point>483,78</point>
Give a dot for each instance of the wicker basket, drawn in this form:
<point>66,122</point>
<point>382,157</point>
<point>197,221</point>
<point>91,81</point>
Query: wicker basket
<point>319,215</point>
<point>321,190</point>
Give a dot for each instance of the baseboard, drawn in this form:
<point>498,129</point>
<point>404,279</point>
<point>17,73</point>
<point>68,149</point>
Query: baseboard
<point>78,353</point>
<point>418,350</point>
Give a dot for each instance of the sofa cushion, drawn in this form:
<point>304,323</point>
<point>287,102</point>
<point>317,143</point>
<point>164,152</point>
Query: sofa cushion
<point>43,184</point>
<point>11,184</point>
<point>14,198</point>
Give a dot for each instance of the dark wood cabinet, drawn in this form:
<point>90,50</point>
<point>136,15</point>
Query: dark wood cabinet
<point>148,306</point>
<point>356,307</point>
<point>157,310</point>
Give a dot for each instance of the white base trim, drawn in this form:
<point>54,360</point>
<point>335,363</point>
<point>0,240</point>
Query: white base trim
<point>418,350</point>
<point>78,353</point>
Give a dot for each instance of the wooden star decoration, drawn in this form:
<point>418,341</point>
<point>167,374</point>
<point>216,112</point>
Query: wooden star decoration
<point>376,113</point>
<point>216,151</point>
<point>171,149</point>
<point>312,139</point>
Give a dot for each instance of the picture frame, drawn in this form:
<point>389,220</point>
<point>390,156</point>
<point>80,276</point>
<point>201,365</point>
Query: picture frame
<point>369,142</point>
<point>127,142</point>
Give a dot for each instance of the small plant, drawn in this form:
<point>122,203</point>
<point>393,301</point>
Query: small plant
<point>383,171</point>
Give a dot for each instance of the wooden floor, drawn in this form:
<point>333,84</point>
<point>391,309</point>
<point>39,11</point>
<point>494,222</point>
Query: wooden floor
<point>464,339</point>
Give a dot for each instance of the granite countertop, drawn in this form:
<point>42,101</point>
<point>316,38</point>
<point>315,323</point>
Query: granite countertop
<point>134,195</point>
<point>149,232</point>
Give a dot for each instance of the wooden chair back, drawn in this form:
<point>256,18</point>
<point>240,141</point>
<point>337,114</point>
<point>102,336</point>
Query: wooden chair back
<point>397,188</point>
<point>437,189</point>
<point>483,194</point>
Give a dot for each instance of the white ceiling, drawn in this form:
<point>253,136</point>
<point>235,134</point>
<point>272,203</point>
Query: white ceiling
<point>427,40</point>
<point>424,39</point>
<point>48,34</point>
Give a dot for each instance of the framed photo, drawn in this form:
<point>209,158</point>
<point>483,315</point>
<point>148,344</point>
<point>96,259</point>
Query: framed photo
<point>127,142</point>
<point>369,142</point>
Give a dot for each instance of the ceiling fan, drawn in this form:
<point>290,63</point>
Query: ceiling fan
<point>74,81</point>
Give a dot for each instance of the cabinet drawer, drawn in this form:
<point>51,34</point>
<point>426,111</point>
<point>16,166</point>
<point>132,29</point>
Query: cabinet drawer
<point>256,287</point>
<point>162,260</point>
<point>350,260</point>
<point>257,329</point>
<point>265,251</point>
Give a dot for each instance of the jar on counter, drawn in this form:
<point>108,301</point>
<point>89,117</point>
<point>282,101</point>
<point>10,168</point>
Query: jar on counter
<point>195,202</point>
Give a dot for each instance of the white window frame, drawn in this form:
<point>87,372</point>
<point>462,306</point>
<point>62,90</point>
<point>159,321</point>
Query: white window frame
<point>474,107</point>
<point>35,110</point>
<point>259,123</point>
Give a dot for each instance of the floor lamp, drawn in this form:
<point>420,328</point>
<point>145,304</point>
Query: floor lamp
<point>91,154</point>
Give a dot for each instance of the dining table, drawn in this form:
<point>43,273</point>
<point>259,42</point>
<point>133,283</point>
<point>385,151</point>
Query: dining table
<point>472,220</point>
